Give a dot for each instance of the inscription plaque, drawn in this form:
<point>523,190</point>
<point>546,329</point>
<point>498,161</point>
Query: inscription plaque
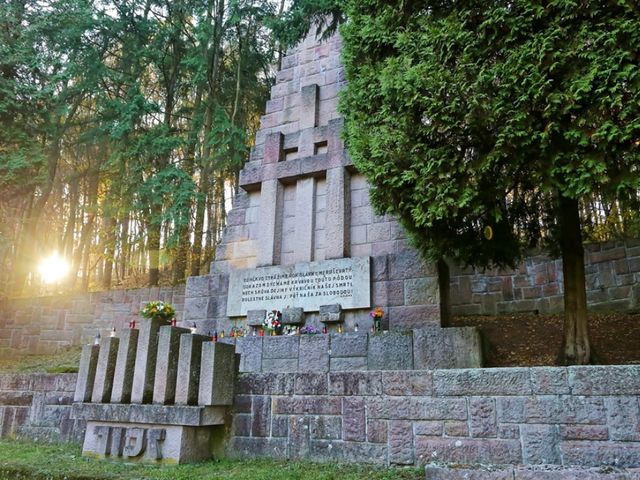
<point>346,281</point>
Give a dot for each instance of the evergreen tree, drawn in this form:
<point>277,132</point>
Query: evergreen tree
<point>485,125</point>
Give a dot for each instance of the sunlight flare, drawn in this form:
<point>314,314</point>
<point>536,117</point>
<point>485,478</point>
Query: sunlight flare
<point>53,268</point>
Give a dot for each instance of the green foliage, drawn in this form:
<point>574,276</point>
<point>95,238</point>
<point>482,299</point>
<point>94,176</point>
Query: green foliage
<point>20,459</point>
<point>228,143</point>
<point>116,119</point>
<point>472,114</point>
<point>303,15</point>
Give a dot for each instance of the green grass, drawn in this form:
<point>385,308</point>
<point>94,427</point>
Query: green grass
<point>27,460</point>
<point>65,361</point>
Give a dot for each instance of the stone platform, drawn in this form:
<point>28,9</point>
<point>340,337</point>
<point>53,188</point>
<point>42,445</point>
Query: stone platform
<point>420,349</point>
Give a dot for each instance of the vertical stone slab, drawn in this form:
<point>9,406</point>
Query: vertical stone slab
<point>125,365</point>
<point>189,362</point>
<point>86,373</point>
<point>164,388</point>
<point>270,234</point>
<point>250,350</point>
<point>338,211</point>
<point>144,370</point>
<point>217,374</point>
<point>105,369</point>
<point>309,99</point>
<point>273,148</point>
<point>305,220</point>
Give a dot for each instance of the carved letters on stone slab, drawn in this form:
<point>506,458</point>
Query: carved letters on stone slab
<point>133,442</point>
<point>345,281</point>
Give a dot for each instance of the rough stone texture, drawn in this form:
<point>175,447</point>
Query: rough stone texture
<point>189,361</point>
<point>601,380</point>
<point>482,417</point>
<point>390,352</point>
<point>401,450</point>
<point>490,381</point>
<point>147,443</point>
<point>144,370</point>
<point>331,313</point>
<point>345,352</point>
<point>166,367</point>
<point>546,472</point>
<point>375,416</point>
<point>349,345</point>
<point>51,324</point>
<point>38,406</point>
<point>537,283</point>
<point>293,316</point>
<point>437,347</point>
<point>105,369</point>
<point>250,350</point>
<point>314,353</point>
<point>125,364</point>
<point>281,347</point>
<point>195,416</point>
<point>256,317</point>
<point>540,444</point>
<point>354,427</point>
<point>86,373</point>
<point>217,374</point>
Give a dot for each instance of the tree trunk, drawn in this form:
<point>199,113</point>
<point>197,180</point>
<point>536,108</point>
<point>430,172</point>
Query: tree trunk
<point>154,227</point>
<point>575,346</point>
<point>444,288</point>
<point>67,242</point>
<point>109,251</point>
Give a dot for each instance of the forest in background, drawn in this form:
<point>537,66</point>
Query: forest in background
<point>123,127</point>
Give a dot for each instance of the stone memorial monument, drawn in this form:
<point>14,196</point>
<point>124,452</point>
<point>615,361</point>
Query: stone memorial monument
<point>302,233</point>
<point>155,394</point>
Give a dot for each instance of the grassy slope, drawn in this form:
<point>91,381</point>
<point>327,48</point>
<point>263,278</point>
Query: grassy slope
<point>66,361</point>
<point>23,460</point>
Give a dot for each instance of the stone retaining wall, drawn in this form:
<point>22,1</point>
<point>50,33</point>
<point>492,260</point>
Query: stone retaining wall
<point>37,406</point>
<point>584,416</point>
<point>612,280</point>
<point>50,324</point>
<point>576,416</point>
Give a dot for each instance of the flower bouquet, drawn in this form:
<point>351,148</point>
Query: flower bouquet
<point>159,310</point>
<point>289,330</point>
<point>377,315</point>
<point>309,330</point>
<point>272,322</point>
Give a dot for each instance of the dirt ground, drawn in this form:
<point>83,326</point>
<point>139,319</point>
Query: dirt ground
<point>529,339</point>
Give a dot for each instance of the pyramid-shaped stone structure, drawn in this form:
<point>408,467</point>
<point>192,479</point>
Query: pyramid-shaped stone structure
<point>302,236</point>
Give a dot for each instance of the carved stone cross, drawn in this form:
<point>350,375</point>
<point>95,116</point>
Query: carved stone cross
<point>302,158</point>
